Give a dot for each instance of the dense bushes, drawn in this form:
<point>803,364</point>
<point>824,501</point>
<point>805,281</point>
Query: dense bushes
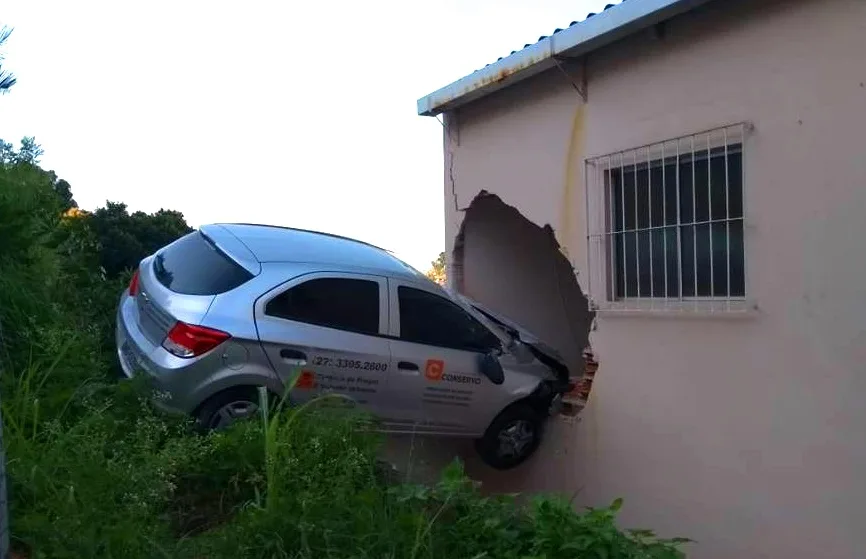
<point>95,472</point>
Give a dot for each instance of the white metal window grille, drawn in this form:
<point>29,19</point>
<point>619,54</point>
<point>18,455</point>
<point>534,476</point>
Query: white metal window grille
<point>666,224</point>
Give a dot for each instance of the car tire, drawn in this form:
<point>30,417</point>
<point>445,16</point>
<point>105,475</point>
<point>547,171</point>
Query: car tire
<point>512,437</point>
<point>226,407</point>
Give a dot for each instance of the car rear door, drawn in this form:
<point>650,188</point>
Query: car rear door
<point>328,328</point>
<point>435,384</point>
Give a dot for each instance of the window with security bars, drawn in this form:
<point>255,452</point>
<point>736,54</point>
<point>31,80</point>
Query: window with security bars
<point>668,219</point>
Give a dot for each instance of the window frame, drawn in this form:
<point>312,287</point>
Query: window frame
<point>395,318</point>
<point>602,257</point>
<point>384,318</point>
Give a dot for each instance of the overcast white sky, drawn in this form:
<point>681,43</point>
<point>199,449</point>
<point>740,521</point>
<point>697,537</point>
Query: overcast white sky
<point>298,114</point>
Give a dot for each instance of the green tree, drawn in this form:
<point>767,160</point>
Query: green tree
<point>28,154</point>
<point>7,80</point>
<point>119,240</point>
<point>124,238</point>
<point>64,191</point>
<point>30,151</point>
<point>437,269</point>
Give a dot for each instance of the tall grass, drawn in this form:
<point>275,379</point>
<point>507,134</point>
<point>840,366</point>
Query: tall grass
<point>327,497</point>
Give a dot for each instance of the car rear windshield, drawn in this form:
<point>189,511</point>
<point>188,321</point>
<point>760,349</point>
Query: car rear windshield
<point>193,265</point>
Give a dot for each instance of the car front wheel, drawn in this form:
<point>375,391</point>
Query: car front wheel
<point>511,438</point>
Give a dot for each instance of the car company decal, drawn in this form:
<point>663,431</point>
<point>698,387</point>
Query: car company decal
<point>349,385</point>
<point>306,380</point>
<point>444,396</point>
<point>462,379</point>
<point>433,369</point>
<point>438,393</point>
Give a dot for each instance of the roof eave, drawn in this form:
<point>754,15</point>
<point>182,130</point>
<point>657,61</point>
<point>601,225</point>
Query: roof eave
<point>599,30</point>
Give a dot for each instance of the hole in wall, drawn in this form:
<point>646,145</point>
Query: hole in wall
<point>513,266</point>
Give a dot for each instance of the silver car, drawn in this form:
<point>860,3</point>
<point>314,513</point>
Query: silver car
<point>232,307</point>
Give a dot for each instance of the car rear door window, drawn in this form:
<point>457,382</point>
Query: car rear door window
<point>426,318</point>
<point>341,303</point>
<point>193,265</point>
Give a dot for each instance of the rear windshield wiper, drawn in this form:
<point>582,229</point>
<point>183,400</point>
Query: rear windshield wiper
<point>158,266</point>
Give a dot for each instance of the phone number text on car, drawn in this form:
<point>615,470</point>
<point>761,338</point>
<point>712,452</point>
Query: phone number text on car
<point>320,361</point>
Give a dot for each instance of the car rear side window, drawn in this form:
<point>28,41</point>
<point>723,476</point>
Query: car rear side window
<point>429,319</point>
<point>193,265</point>
<point>341,303</point>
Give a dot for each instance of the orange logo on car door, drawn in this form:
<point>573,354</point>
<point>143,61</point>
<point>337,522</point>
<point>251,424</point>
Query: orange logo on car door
<point>306,380</point>
<point>434,369</point>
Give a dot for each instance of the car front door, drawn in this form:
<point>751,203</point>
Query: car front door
<point>327,329</point>
<point>435,384</point>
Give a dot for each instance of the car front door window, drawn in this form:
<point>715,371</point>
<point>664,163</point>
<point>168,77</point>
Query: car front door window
<point>426,318</point>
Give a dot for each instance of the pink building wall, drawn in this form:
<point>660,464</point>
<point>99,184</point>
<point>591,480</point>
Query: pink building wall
<point>747,434</point>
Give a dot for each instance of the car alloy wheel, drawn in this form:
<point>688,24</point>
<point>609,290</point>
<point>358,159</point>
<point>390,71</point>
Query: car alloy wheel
<point>515,438</point>
<point>512,437</point>
<point>232,412</point>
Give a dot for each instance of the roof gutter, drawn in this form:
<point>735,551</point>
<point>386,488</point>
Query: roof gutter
<point>597,31</point>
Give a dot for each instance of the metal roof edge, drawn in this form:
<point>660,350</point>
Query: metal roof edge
<point>601,29</point>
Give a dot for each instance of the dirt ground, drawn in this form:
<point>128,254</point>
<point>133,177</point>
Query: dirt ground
<point>420,459</point>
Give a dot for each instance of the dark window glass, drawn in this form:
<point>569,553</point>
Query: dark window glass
<point>429,319</point>
<point>193,265</point>
<point>698,253</point>
<point>341,303</point>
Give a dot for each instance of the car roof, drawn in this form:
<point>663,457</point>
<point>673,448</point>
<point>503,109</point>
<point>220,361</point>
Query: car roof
<point>271,243</point>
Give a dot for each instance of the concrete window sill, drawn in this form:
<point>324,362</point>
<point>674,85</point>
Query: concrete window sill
<point>715,310</point>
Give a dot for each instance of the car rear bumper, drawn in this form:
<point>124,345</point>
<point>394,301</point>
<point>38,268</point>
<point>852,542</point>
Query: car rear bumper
<point>137,355</point>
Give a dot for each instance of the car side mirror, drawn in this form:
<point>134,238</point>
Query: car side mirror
<point>492,368</point>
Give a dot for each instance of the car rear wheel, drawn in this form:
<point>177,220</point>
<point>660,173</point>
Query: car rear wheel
<point>511,438</point>
<point>228,407</point>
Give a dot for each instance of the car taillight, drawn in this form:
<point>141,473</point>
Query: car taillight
<point>133,284</point>
<point>189,340</point>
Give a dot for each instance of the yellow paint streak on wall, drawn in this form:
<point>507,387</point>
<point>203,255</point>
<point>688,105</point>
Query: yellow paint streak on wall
<point>568,210</point>
<point>573,157</point>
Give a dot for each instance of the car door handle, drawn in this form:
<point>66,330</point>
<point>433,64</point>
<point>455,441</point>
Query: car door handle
<point>293,357</point>
<point>407,366</point>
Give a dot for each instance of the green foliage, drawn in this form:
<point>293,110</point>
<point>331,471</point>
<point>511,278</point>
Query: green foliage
<point>95,471</point>
<point>29,215</point>
<point>27,156</point>
<point>437,269</point>
<point>28,152</point>
<point>331,503</point>
<point>64,191</point>
<point>124,238</point>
